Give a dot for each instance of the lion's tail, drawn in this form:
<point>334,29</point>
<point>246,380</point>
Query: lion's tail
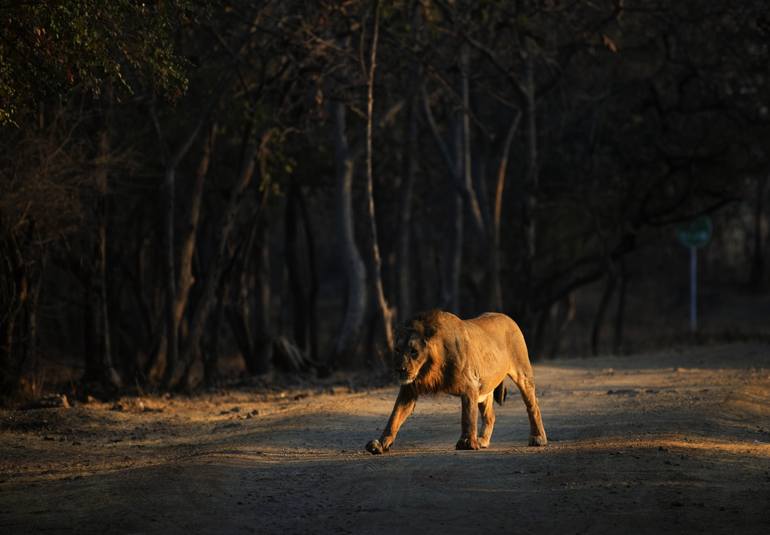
<point>500,393</point>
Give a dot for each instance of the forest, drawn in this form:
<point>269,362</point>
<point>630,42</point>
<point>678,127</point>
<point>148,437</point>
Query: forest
<point>189,188</point>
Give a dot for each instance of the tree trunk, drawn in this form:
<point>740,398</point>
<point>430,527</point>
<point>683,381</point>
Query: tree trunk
<point>211,341</point>
<point>313,275</point>
<point>450,273</point>
<point>536,344</point>
<point>152,309</point>
<point>458,162</point>
<point>172,343</point>
<point>530,182</point>
<point>90,352</point>
<point>16,286</point>
<point>262,353</point>
<point>239,313</point>
<point>410,151</point>
<point>617,338</point>
<point>385,314</point>
<point>8,382</point>
<point>609,289</point>
<point>757,277</point>
<point>302,282</point>
<point>21,280</point>
<point>468,190</point>
<point>496,290</point>
<point>300,308</point>
<point>424,270</point>
<point>217,262</point>
<point>109,374</point>
<point>31,362</point>
<point>187,252</point>
<point>355,273</point>
<point>404,233</point>
<point>451,293</point>
<point>166,367</point>
<point>565,313</point>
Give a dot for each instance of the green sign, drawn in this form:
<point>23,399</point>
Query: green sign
<point>696,232</point>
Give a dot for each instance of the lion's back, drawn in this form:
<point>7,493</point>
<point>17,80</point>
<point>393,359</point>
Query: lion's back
<point>496,325</point>
<point>498,332</point>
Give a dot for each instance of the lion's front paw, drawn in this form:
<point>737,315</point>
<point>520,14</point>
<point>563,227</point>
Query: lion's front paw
<point>466,443</point>
<point>537,440</point>
<point>375,447</point>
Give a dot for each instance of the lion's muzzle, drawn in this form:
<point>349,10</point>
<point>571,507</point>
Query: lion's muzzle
<point>405,378</point>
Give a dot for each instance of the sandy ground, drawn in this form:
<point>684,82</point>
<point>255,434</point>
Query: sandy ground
<point>675,442</point>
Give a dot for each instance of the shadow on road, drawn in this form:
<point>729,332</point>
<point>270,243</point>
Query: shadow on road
<point>658,445</point>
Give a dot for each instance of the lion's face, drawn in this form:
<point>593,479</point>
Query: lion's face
<point>409,356</point>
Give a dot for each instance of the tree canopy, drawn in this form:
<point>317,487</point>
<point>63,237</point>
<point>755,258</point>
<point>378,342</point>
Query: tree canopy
<point>49,49</point>
<point>182,180</point>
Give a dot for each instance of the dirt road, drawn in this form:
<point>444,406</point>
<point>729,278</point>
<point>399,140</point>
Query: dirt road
<point>675,442</point>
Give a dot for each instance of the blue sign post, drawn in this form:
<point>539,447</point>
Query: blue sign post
<point>694,234</point>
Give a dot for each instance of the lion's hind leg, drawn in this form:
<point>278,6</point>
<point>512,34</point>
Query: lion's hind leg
<point>501,393</point>
<point>537,435</point>
<point>487,410</point>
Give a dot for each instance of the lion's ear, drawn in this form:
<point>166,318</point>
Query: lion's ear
<point>429,330</point>
<point>430,324</point>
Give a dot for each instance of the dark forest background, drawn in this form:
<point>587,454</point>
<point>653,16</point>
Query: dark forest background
<point>187,186</point>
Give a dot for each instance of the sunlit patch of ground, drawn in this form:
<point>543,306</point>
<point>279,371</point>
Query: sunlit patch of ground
<point>665,442</point>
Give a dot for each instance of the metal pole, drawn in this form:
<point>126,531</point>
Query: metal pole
<point>693,289</point>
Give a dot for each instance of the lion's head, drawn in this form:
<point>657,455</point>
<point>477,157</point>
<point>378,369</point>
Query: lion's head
<point>411,350</point>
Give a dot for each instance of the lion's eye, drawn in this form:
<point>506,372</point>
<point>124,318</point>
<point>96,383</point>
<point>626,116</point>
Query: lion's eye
<point>413,353</point>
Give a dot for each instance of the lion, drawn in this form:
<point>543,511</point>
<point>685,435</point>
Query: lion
<point>438,352</point>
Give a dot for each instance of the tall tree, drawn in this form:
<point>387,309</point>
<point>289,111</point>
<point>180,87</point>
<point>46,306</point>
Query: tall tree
<point>355,272</point>
<point>383,309</point>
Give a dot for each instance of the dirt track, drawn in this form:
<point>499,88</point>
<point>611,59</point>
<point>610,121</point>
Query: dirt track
<point>675,442</point>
